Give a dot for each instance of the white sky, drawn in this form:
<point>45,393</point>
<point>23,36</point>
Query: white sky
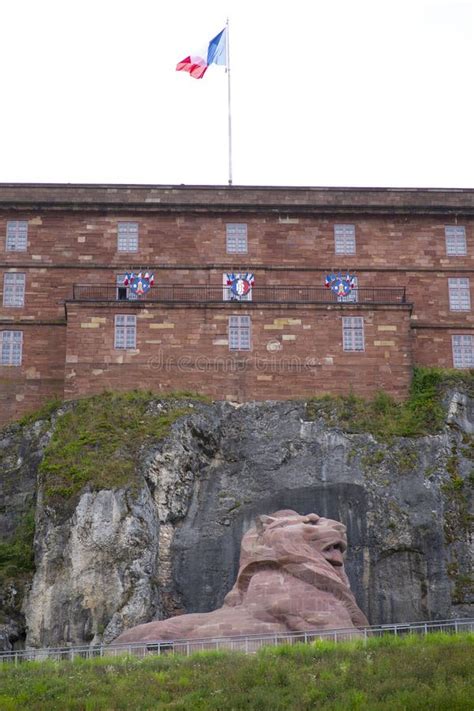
<point>324,92</point>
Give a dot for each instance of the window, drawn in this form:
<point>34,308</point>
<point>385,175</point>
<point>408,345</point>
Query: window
<point>459,296</point>
<point>353,296</point>
<point>13,289</point>
<point>123,292</point>
<point>463,351</point>
<point>125,331</point>
<point>17,235</point>
<point>127,237</point>
<point>353,333</point>
<point>344,239</point>
<point>228,295</point>
<point>11,344</point>
<point>455,241</point>
<point>236,239</point>
<point>239,333</point>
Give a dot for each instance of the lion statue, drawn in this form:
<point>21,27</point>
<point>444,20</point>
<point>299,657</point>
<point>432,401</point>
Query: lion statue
<point>291,579</point>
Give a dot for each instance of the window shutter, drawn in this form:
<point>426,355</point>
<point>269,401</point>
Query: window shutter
<point>344,239</point>
<point>353,333</point>
<point>17,236</point>
<point>463,351</point>
<point>12,347</point>
<point>236,238</point>
<point>13,289</point>
<point>455,240</point>
<point>127,237</point>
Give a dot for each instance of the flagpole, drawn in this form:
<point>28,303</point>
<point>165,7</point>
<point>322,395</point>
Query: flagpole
<point>228,100</point>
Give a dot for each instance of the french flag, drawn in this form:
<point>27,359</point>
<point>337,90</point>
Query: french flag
<point>197,65</point>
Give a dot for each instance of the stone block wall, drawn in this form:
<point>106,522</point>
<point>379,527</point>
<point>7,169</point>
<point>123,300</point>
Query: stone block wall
<point>87,240</point>
<point>295,352</point>
<point>72,239</point>
<point>41,375</point>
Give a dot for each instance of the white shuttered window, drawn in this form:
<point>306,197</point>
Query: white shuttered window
<point>344,239</point>
<point>455,241</point>
<point>13,289</point>
<point>127,237</point>
<point>353,333</point>
<point>125,331</point>
<point>239,333</point>
<point>124,293</point>
<point>236,239</point>
<point>463,351</point>
<point>11,343</point>
<point>17,235</point>
<point>459,296</point>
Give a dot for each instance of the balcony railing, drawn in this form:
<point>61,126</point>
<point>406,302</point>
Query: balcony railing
<point>183,293</point>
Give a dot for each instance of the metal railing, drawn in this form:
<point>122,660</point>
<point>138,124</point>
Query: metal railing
<point>278,294</point>
<point>247,644</point>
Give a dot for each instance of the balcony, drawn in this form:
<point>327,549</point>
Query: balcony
<point>185,294</point>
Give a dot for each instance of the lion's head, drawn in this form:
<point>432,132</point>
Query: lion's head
<point>286,537</point>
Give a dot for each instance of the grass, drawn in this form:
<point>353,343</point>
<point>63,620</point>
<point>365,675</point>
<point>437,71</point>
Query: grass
<point>421,414</point>
<point>392,673</point>
<point>43,413</point>
<point>98,441</point>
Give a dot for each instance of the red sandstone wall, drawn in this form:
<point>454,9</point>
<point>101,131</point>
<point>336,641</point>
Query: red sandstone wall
<point>47,289</point>
<point>433,346</point>
<point>41,375</point>
<point>295,352</point>
<point>67,247</point>
<point>88,241</point>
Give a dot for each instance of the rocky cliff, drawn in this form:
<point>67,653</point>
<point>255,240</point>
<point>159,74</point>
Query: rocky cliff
<point>143,519</point>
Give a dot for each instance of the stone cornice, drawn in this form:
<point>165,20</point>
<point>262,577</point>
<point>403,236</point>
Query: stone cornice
<point>284,201</point>
<point>235,266</point>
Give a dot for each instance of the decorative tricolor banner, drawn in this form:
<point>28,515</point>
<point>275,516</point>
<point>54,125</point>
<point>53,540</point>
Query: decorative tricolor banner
<point>196,64</point>
<point>340,284</point>
<point>139,283</point>
<point>240,284</point>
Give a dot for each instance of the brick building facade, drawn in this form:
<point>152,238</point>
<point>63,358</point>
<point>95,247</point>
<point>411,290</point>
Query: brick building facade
<point>68,327</point>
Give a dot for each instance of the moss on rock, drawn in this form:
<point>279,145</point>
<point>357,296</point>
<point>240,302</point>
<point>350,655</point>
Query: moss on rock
<point>16,567</point>
<point>97,442</point>
<point>383,417</point>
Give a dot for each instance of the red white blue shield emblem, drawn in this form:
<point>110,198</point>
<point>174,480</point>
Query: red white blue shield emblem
<point>240,284</point>
<point>139,283</point>
<point>340,284</point>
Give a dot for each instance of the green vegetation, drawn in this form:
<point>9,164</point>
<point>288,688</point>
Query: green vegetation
<point>16,566</point>
<point>43,413</point>
<point>421,414</point>
<point>458,519</point>
<point>16,555</point>
<point>458,525</point>
<point>388,673</point>
<point>463,584</point>
<point>98,440</point>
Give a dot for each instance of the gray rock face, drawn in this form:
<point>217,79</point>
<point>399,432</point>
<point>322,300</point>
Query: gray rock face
<point>391,499</point>
<point>97,570</point>
<point>128,556</point>
<point>21,450</point>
